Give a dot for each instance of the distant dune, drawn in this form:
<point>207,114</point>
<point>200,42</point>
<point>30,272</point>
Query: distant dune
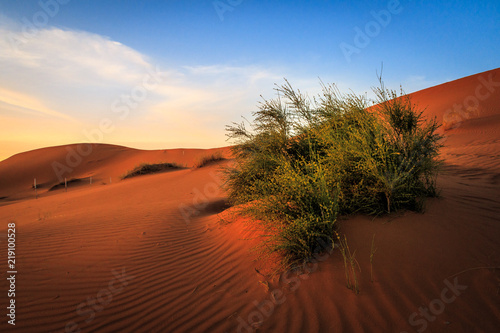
<point>81,161</point>
<point>156,253</point>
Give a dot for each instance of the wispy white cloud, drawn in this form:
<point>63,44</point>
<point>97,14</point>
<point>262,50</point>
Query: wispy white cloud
<point>250,73</point>
<point>20,102</point>
<point>75,76</point>
<point>417,82</point>
<point>67,72</point>
<point>73,55</point>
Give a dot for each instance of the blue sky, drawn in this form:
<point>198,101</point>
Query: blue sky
<point>67,67</point>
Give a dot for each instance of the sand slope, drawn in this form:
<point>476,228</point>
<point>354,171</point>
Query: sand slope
<point>149,254</point>
<point>80,162</point>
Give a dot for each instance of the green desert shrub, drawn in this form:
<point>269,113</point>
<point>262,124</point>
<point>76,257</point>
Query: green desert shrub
<point>303,161</point>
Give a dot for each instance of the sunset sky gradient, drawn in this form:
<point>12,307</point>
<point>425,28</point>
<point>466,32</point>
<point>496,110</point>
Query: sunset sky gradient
<point>168,74</point>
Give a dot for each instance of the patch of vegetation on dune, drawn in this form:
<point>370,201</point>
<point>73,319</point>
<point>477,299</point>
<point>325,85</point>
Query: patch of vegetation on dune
<point>302,162</point>
<point>148,168</point>
<point>209,159</point>
<point>63,184</point>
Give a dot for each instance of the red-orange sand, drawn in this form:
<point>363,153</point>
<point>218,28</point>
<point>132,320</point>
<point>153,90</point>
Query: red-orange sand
<point>149,254</point>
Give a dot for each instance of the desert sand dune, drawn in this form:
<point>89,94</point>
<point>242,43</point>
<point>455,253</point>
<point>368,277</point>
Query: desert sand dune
<point>152,254</point>
<point>80,162</point>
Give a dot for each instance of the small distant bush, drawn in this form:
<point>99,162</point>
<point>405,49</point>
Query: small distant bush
<point>205,160</point>
<point>304,161</point>
<point>147,168</point>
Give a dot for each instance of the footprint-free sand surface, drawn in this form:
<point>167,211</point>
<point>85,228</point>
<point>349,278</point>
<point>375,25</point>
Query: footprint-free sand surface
<point>160,253</point>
